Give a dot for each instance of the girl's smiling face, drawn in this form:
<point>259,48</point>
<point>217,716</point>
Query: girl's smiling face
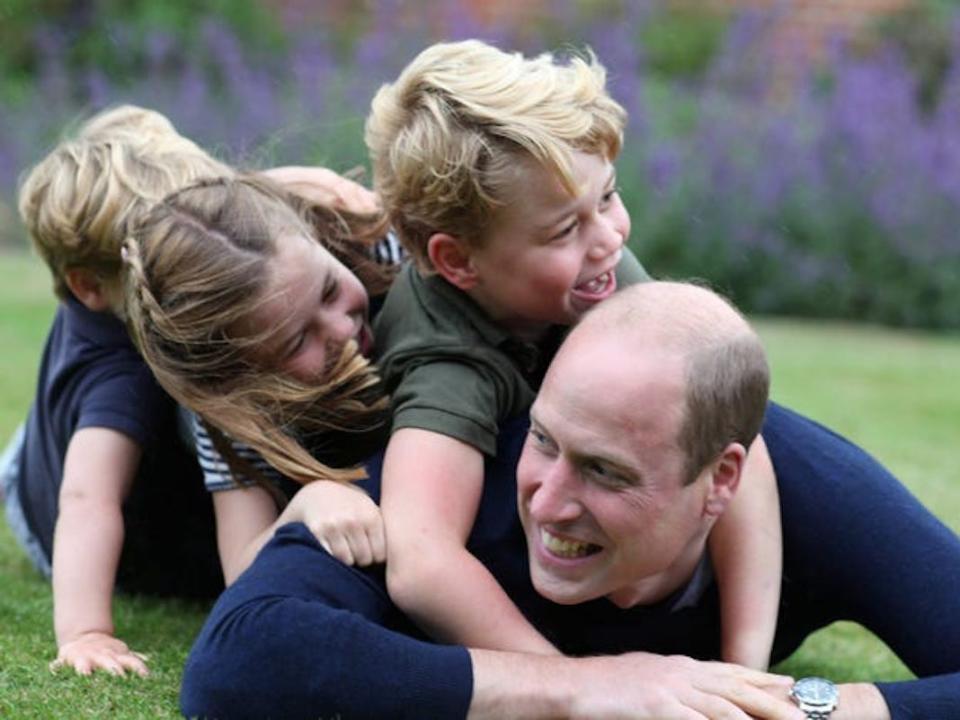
<point>311,307</point>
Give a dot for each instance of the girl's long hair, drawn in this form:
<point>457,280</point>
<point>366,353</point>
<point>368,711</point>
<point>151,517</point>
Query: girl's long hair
<point>197,266</point>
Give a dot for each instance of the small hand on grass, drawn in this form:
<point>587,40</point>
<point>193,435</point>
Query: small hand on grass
<point>98,650</point>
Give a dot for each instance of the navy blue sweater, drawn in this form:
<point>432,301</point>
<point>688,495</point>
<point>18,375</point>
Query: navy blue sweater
<point>300,635</point>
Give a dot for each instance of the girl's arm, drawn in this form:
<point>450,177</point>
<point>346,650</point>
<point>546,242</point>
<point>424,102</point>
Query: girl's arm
<point>431,490</point>
<point>99,469</point>
<point>246,518</point>
<point>342,517</point>
<point>746,547</point>
<point>345,520</point>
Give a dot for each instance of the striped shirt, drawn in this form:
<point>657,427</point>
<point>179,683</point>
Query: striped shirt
<point>217,475</point>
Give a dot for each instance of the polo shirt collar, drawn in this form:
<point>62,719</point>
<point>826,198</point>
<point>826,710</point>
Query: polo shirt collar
<point>531,357</point>
<point>102,328</point>
<point>467,308</point>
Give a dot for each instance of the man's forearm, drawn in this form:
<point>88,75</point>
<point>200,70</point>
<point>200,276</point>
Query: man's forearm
<point>860,701</point>
<point>642,686</point>
<point>519,686</point>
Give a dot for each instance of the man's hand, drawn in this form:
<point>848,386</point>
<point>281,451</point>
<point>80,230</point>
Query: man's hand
<point>642,685</point>
<point>98,650</point>
<point>639,686</point>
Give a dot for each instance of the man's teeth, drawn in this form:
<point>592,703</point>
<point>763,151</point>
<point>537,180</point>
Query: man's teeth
<point>564,548</point>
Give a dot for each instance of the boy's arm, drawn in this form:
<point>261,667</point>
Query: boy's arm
<point>431,490</point>
<point>746,547</point>
<point>99,468</point>
<point>325,187</point>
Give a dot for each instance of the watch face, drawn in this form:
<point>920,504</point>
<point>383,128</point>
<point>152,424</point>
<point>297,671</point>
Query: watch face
<point>815,691</point>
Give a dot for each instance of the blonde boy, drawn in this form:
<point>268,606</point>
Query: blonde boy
<point>100,489</point>
<point>497,172</point>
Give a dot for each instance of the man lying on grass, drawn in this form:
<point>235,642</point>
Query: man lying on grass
<point>634,448</point>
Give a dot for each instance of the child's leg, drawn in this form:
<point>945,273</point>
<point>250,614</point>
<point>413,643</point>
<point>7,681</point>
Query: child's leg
<point>9,470</point>
<point>10,460</point>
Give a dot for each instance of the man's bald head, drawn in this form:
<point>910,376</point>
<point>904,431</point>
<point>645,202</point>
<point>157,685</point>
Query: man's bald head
<point>726,375</point>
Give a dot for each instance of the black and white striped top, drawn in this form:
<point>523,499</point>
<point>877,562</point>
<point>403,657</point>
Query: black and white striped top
<point>217,475</point>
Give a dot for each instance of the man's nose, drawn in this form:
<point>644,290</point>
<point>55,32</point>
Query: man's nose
<point>556,498</point>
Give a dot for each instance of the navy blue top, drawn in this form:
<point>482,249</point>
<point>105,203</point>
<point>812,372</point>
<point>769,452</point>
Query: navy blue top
<point>300,635</point>
<point>91,375</point>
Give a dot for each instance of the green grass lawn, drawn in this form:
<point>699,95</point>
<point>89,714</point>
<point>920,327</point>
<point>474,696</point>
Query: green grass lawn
<point>895,393</point>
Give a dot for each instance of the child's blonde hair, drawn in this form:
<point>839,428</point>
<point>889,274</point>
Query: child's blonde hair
<point>198,266</point>
<point>446,137</point>
<point>79,201</point>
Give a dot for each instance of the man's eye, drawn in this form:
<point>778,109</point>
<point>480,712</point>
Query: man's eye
<point>605,475</point>
<point>541,440</point>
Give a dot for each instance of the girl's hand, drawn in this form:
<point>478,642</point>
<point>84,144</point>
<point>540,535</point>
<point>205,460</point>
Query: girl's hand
<point>99,650</point>
<point>344,519</point>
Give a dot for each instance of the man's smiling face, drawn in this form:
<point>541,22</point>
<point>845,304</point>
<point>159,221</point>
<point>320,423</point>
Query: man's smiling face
<point>601,489</point>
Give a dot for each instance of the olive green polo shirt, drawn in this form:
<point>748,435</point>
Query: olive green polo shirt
<point>450,369</point>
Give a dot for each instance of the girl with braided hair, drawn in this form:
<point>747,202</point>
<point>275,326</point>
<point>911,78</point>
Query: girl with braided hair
<point>98,470</point>
<point>250,305</point>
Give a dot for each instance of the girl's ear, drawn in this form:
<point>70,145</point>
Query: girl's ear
<point>452,260</point>
<point>88,289</point>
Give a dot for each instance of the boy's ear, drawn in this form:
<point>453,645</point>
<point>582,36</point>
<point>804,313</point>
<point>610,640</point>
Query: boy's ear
<point>724,479</point>
<point>452,260</point>
<point>87,288</point>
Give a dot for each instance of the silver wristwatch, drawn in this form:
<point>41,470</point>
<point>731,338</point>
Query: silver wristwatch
<point>815,696</point>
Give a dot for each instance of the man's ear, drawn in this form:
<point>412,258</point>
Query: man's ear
<point>724,479</point>
<point>87,288</point>
<point>452,259</point>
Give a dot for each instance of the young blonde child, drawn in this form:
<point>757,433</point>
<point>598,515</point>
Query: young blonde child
<point>101,490</point>
<point>251,306</point>
<point>497,174</point>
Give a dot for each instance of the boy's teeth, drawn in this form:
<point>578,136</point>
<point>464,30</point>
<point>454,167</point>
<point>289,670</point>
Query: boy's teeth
<point>564,548</point>
<point>597,284</point>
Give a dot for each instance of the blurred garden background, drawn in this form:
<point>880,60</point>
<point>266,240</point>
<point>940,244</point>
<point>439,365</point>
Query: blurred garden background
<point>803,156</point>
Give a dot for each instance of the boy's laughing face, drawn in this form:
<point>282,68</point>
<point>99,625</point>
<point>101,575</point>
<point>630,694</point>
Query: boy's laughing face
<point>549,257</point>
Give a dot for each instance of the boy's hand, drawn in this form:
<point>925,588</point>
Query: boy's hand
<point>98,650</point>
<point>345,521</point>
<point>326,187</point>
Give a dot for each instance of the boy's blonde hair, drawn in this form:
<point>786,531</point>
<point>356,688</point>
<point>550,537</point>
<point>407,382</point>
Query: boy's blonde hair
<point>445,138</point>
<point>198,267</point>
<point>79,201</point>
